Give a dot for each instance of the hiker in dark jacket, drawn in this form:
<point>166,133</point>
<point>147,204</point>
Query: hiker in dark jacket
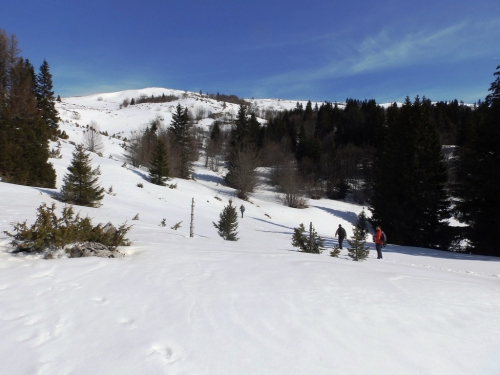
<point>242,209</point>
<point>341,233</point>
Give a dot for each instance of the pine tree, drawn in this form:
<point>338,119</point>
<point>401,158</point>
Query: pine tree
<point>335,251</point>
<point>309,244</point>
<point>409,191</point>
<point>494,96</point>
<point>228,223</point>
<point>362,224</point>
<point>242,159</point>
<point>45,98</point>
<point>299,238</point>
<point>24,150</point>
<point>159,170</point>
<point>357,250</point>
<point>478,177</point>
<point>182,142</point>
<point>81,183</point>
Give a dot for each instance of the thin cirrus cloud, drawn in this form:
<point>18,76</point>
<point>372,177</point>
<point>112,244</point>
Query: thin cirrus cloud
<point>388,50</point>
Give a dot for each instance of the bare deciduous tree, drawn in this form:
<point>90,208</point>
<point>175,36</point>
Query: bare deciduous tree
<point>290,185</point>
<point>243,176</point>
<point>93,140</point>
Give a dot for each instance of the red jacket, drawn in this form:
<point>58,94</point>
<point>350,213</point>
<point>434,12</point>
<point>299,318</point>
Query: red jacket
<point>378,237</point>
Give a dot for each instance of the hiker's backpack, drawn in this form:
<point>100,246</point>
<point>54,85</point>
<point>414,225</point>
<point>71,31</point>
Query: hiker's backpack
<point>384,239</point>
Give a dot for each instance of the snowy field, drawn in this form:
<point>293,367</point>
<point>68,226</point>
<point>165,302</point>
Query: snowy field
<point>182,305</point>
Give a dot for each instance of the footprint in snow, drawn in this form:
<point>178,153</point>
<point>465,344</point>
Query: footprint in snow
<point>127,322</point>
<point>166,353</point>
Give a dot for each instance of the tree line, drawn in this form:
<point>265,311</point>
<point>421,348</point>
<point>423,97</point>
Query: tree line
<point>28,118</point>
<point>416,164</point>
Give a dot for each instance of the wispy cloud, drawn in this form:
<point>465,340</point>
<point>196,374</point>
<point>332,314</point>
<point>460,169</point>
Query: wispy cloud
<point>389,49</point>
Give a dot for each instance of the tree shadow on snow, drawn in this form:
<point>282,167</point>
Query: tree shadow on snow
<point>278,225</point>
<point>208,178</point>
<point>351,217</point>
<point>141,174</point>
<point>328,241</point>
<point>54,194</point>
<point>444,254</point>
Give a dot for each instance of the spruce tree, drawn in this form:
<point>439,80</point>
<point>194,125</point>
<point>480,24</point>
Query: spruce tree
<point>24,150</point>
<point>311,243</point>
<point>242,159</point>
<point>494,96</point>
<point>362,224</point>
<point>237,142</point>
<point>335,251</point>
<point>409,191</point>
<point>182,141</point>
<point>357,250</point>
<point>45,98</point>
<point>159,170</point>
<point>228,223</point>
<point>299,238</point>
<point>478,177</point>
<point>81,183</point>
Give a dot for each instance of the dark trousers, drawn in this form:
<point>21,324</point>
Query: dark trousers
<point>378,246</point>
<point>341,239</point>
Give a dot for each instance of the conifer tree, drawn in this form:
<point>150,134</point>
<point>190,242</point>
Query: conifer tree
<point>45,98</point>
<point>311,243</point>
<point>228,223</point>
<point>357,250</point>
<point>478,177</point>
<point>409,192</point>
<point>182,141</point>
<point>159,170</point>
<point>335,251</point>
<point>362,224</point>
<point>494,96</point>
<point>242,159</point>
<point>81,183</point>
<point>237,142</point>
<point>24,150</point>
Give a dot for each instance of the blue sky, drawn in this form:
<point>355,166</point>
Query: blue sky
<point>318,50</point>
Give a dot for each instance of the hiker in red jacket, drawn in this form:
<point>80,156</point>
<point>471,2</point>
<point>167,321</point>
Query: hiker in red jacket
<point>378,242</point>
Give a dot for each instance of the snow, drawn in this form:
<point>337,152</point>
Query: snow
<point>201,305</point>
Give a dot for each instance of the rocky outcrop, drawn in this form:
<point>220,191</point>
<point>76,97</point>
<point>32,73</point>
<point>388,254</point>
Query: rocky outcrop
<point>93,249</point>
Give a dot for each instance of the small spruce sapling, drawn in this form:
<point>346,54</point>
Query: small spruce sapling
<point>309,244</point>
<point>176,225</point>
<point>335,251</point>
<point>228,223</point>
<point>80,185</point>
<point>362,224</point>
<point>159,169</point>
<point>357,250</point>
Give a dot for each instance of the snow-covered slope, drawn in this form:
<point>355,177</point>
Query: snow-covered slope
<point>181,305</point>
